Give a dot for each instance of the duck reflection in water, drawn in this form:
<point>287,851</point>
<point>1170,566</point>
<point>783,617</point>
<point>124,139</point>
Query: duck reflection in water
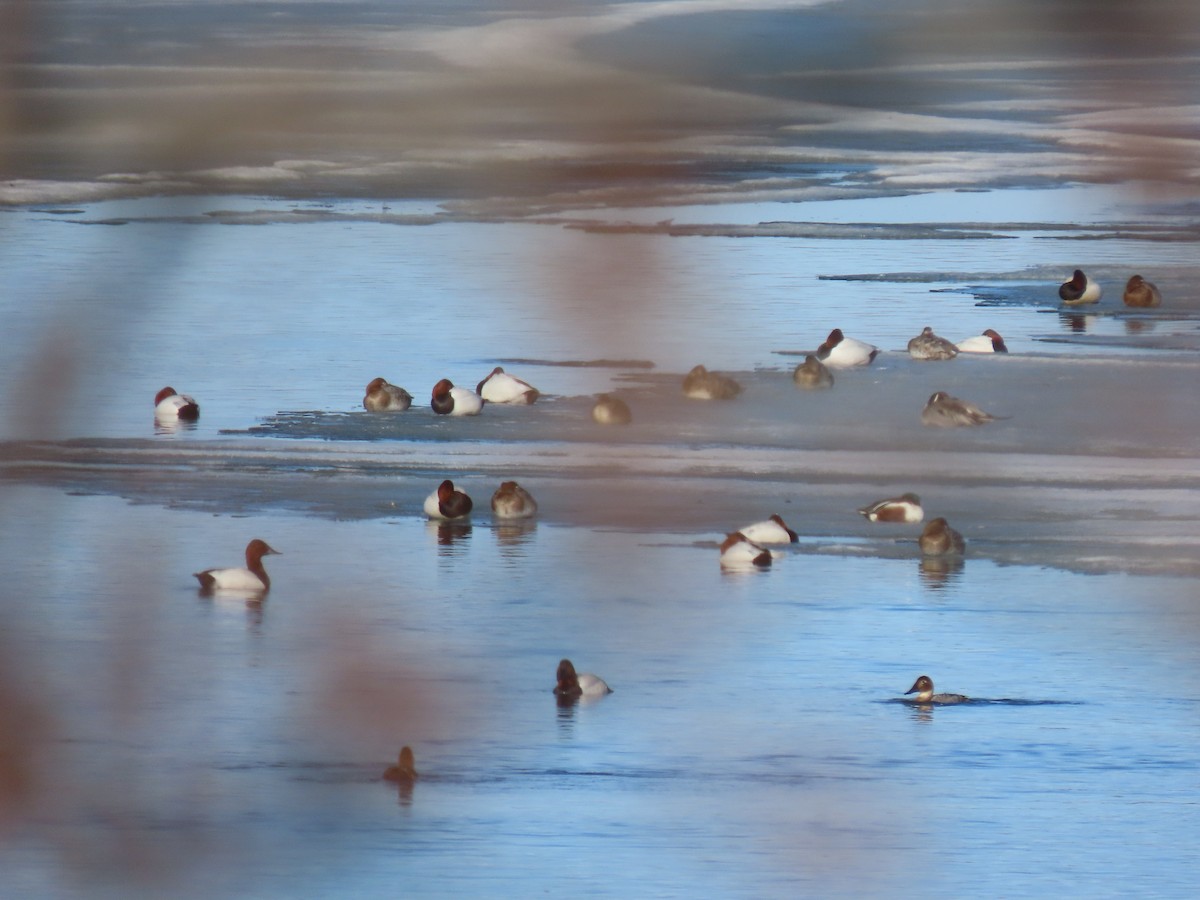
<point>1075,322</point>
<point>936,572</point>
<point>451,533</point>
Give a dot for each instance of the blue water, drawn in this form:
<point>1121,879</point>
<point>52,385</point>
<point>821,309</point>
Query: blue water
<point>267,205</point>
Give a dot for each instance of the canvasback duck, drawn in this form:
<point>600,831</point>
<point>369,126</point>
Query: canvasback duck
<point>448,503</point>
<point>610,410</point>
<point>771,531</point>
<point>988,342</point>
<point>923,688</point>
<point>739,552</point>
<point>905,508</point>
<point>511,501</point>
<point>449,400</point>
<point>944,411</point>
<point>1079,290</point>
<point>1141,293</point>
<point>572,686</point>
<point>384,397</point>
<point>841,352</point>
<point>500,387</point>
<point>405,769</point>
<point>252,579</point>
<point>171,405</point>
<point>928,345</point>
<point>701,384</point>
<point>939,539</point>
<point>812,374</point>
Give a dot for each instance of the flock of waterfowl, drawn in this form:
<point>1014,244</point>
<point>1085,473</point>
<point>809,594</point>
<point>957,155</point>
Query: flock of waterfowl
<point>746,548</point>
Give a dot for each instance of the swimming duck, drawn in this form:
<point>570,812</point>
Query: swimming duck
<point>252,579</point>
<point>988,342</point>
<point>905,508</point>
<point>449,400</point>
<point>511,501</point>
<point>923,688</point>
<point>812,374</point>
<point>939,539</point>
<point>448,503</point>
<point>944,411</point>
<point>701,384</point>
<point>739,552</point>
<point>928,345</point>
<point>610,410</point>
<point>1142,293</point>
<point>841,352</point>
<point>771,531</point>
<point>405,770</point>
<point>170,405</point>
<point>384,397</point>
<point>571,686</point>
<point>500,387</point>
<point>1079,290</point>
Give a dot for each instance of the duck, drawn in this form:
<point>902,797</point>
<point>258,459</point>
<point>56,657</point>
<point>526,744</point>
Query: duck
<point>841,352</point>
<point>500,387</point>
<point>701,384</point>
<point>923,688</point>
<point>573,686</point>
<point>251,579</point>
<point>384,397</point>
<point>739,552</point>
<point>812,374</point>
<point>988,342</point>
<point>405,769</point>
<point>610,410</point>
<point>905,508</point>
<point>449,400</point>
<point>939,539</point>
<point>1079,290</point>
<point>448,503</point>
<point>511,501</point>
<point>168,404</point>
<point>928,345</point>
<point>771,531</point>
<point>1141,293</point>
<point>944,411</point>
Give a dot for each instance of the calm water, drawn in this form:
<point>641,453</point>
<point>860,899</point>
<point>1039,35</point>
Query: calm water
<point>656,208</point>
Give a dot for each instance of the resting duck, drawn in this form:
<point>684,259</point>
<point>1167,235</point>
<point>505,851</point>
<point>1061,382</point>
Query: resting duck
<point>171,405</point>
<point>988,342</point>
<point>939,539</point>
<point>739,552</point>
<point>449,400</point>
<point>812,375</point>
<point>511,501</point>
<point>905,508</point>
<point>771,531</point>
<point>448,503</point>
<point>252,579</point>
<point>701,384</point>
<point>610,410</point>
<point>500,387</point>
<point>1079,290</point>
<point>384,397</point>
<point>923,688</point>
<point>928,345</point>
<point>841,352</point>
<point>944,411</point>
<point>572,686</point>
<point>405,770</point>
<point>1142,293</point>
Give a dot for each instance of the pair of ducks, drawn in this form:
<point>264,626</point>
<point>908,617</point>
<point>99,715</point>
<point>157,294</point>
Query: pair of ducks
<point>747,548</point>
<point>449,400</point>
<point>928,345</point>
<point>937,538</point>
<point>510,501</point>
<point>1081,290</point>
<point>698,384</point>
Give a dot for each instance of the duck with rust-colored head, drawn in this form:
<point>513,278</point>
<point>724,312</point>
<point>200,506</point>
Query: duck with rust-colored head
<point>252,578</point>
<point>170,405</point>
<point>448,503</point>
<point>384,397</point>
<point>405,769</point>
<point>573,686</point>
<point>449,400</point>
<point>1080,290</point>
<point>739,552</point>
<point>841,352</point>
<point>500,387</point>
<point>923,688</point>
<point>771,531</point>
<point>988,342</point>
